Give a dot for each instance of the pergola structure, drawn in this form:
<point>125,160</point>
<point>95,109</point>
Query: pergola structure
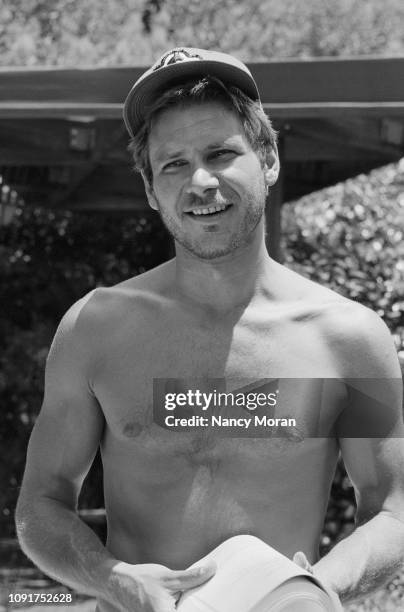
<point>63,143</point>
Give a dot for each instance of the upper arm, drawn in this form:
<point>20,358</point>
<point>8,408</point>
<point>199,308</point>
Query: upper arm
<point>370,429</point>
<point>67,431</point>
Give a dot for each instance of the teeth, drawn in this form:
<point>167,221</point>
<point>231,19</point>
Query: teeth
<point>209,210</point>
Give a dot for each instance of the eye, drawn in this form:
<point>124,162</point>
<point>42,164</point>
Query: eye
<point>174,165</point>
<point>222,154</point>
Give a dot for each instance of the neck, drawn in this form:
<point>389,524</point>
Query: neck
<point>225,283</point>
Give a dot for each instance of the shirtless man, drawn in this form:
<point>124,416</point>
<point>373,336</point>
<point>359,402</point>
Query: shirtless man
<point>221,309</point>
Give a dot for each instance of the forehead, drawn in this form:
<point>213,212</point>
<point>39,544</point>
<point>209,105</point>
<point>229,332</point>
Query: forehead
<point>193,125</point>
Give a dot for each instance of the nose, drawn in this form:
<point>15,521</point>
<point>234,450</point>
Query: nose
<point>201,181</point>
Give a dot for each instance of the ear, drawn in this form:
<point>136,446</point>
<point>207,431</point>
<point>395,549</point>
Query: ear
<point>272,166</point>
<point>151,198</point>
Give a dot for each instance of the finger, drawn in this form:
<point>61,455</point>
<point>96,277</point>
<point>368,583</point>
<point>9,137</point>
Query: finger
<point>301,560</point>
<point>164,604</point>
<point>165,607</point>
<point>187,579</point>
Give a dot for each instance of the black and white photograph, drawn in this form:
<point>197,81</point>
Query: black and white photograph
<point>201,306</point>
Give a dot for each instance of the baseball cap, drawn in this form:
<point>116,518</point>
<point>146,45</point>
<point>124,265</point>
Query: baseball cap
<point>175,67</point>
<point>254,577</point>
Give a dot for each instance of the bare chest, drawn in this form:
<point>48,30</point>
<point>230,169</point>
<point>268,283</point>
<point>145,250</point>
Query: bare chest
<point>252,358</point>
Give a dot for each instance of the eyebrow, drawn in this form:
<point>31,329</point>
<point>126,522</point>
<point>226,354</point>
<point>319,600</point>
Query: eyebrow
<point>163,155</point>
<point>229,141</point>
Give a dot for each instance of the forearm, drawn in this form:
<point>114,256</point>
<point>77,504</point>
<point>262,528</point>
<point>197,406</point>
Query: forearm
<point>366,559</point>
<point>64,547</point>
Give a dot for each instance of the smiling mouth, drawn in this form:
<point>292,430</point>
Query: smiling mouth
<point>209,211</point>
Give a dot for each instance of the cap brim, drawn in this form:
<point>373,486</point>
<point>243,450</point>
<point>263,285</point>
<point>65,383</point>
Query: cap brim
<point>143,94</point>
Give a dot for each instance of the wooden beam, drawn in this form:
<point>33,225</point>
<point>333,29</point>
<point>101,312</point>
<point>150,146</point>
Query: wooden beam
<point>106,188</point>
<point>112,180</point>
<point>331,80</point>
<point>276,110</point>
<point>85,85</point>
<point>106,202</point>
<point>60,110</point>
<point>93,202</point>
<point>336,138</point>
<point>50,142</point>
<point>300,148</point>
<point>318,110</point>
<point>334,108</point>
<point>377,79</point>
<point>46,142</point>
<point>301,178</point>
<point>291,88</point>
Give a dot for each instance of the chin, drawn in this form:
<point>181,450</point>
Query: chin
<point>212,254</point>
<point>210,246</point>
<point>213,251</point>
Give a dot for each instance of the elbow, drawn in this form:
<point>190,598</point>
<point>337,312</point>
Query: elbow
<point>23,512</point>
<point>34,510</point>
<point>24,516</point>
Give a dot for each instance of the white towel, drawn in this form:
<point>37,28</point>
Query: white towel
<point>253,577</point>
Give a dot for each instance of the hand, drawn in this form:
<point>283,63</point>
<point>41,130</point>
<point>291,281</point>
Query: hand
<point>153,588</point>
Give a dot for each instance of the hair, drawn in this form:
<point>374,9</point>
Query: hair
<point>257,126</point>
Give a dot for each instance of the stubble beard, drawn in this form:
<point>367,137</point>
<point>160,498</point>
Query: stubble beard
<point>201,248</point>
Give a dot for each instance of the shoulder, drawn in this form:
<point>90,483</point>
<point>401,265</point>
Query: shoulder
<point>360,340</point>
<point>310,302</point>
<point>92,318</point>
<point>301,291</point>
<point>104,303</point>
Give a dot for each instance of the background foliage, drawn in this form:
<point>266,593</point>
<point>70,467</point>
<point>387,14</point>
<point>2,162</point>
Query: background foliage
<point>350,238</point>
<point>90,32</point>
<point>49,260</point>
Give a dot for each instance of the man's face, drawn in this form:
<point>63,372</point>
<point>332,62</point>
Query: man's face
<point>208,183</point>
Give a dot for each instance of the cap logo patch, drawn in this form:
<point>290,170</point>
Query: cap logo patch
<point>176,56</point>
